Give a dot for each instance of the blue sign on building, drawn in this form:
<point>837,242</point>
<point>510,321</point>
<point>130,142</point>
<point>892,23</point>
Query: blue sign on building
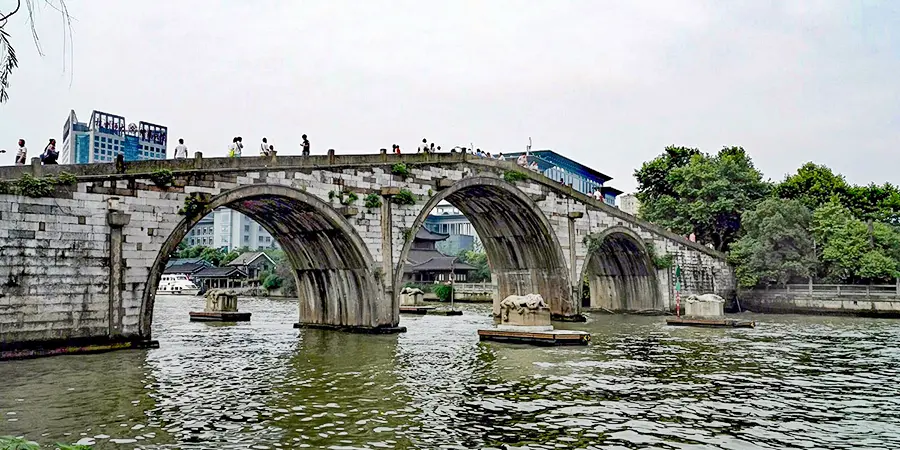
<point>130,148</point>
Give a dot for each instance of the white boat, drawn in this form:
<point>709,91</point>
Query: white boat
<point>176,284</point>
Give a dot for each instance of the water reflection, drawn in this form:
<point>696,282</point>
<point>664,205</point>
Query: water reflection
<point>793,382</point>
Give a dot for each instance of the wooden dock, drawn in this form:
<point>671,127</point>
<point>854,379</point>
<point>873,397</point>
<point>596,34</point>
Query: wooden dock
<point>710,323</point>
<point>419,310</point>
<point>221,316</point>
<point>552,337</point>
<point>430,310</point>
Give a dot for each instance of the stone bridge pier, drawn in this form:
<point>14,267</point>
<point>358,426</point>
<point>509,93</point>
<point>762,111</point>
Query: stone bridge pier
<point>80,262</point>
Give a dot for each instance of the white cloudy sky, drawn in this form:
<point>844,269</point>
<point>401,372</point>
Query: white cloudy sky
<point>609,83</point>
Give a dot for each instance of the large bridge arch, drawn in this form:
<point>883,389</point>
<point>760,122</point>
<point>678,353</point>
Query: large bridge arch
<point>522,246</point>
<point>620,272</point>
<point>337,283</point>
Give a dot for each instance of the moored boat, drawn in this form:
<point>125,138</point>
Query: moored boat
<point>176,284</point>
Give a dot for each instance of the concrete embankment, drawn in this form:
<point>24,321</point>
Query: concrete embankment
<point>863,301</point>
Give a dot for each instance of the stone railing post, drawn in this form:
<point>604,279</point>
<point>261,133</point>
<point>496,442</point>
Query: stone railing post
<point>573,269</point>
<point>198,160</point>
<point>330,156</point>
<point>383,155</point>
<point>117,220</point>
<point>36,168</point>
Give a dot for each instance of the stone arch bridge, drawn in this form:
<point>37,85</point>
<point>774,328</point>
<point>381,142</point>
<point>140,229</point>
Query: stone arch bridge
<point>81,265</point>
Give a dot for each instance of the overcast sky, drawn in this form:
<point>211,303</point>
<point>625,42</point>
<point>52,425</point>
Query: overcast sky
<point>607,83</point>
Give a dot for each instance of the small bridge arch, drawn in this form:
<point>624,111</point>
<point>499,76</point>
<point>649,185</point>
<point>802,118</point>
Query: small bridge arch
<point>620,272</point>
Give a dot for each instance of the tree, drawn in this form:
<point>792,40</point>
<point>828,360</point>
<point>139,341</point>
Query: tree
<point>479,260</point>
<point>813,185</point>
<point>776,245</point>
<point>874,202</point>
<point>9,61</point>
<point>653,176</point>
<point>285,272</point>
<point>706,196</point>
<point>852,250</point>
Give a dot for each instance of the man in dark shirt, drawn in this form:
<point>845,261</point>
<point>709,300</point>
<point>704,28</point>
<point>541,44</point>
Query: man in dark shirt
<point>305,146</point>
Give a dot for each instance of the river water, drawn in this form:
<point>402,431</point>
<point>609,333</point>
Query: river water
<point>793,382</point>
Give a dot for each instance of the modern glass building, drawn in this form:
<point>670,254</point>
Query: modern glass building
<point>582,178</point>
<point>107,135</point>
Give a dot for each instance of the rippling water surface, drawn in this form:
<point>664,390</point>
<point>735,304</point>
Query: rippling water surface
<point>793,382</point>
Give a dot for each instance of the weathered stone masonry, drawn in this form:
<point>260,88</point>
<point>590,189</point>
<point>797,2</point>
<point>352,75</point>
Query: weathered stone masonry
<point>85,262</point>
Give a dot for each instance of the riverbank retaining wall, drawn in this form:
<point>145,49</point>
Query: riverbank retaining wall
<point>864,301</point>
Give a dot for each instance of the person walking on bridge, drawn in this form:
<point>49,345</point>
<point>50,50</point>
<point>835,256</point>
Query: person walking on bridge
<point>181,150</point>
<point>50,154</point>
<point>264,148</point>
<point>22,154</point>
<point>305,146</point>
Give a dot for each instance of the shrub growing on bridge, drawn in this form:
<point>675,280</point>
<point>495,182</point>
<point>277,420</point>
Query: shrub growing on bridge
<point>30,186</point>
<point>162,178</point>
<point>373,201</point>
<point>405,197</point>
<point>400,169</point>
<point>512,176</point>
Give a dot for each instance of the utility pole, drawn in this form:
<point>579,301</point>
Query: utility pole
<point>452,279</point>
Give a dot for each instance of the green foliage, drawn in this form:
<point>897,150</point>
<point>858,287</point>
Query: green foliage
<point>407,234</point>
<point>30,186</point>
<point>332,195</point>
<point>373,201</point>
<point>194,204</point>
<point>815,185</point>
<point>405,197</point>
<point>73,447</point>
<point>443,292</point>
<point>400,169</point>
<point>14,443</point>
<point>162,178</point>
<point>478,260</point>
<point>653,176</point>
<point>285,273</point>
<point>705,196</point>
<point>512,176</point>
<point>659,261</point>
<point>272,281</point>
<point>350,199</point>
<point>852,251</point>
<point>430,192</point>
<point>776,246</point>
<point>66,179</point>
<point>230,256</point>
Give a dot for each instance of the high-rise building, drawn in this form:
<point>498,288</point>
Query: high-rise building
<point>228,230</point>
<point>108,135</point>
<point>629,203</point>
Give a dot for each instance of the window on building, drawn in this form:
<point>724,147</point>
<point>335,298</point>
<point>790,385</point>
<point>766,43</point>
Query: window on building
<point>268,238</point>
<point>260,239</point>
<point>247,228</point>
<point>246,238</point>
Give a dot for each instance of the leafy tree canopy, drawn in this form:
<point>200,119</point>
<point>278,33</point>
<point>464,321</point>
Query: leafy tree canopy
<point>705,195</point>
<point>776,245</point>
